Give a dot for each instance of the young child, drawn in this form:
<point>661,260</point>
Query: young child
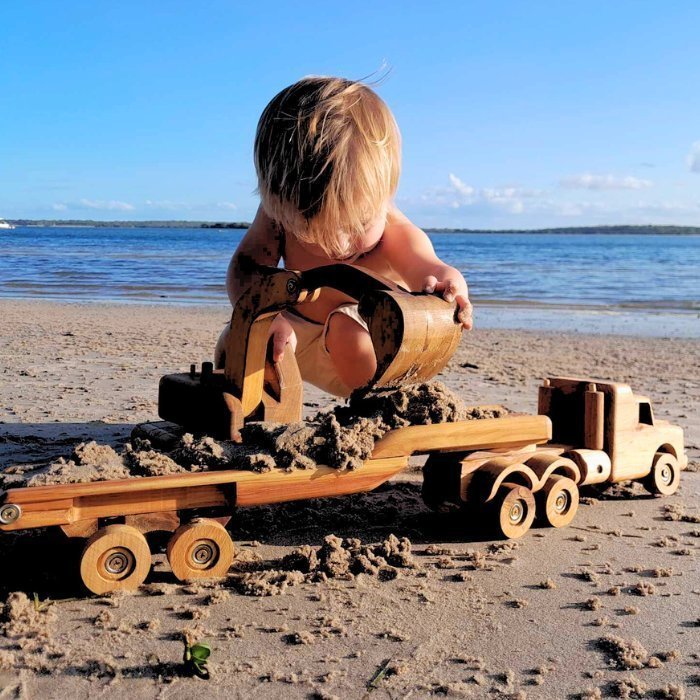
<point>328,157</point>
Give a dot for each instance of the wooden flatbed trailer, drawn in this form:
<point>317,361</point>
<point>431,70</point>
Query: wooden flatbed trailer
<point>115,515</point>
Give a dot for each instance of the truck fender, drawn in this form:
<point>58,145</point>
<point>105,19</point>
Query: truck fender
<point>489,477</point>
<point>544,465</point>
<point>677,451</point>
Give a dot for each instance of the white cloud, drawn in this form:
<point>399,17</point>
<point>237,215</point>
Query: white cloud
<point>166,204</point>
<point>669,207</point>
<point>587,181</point>
<point>461,187</point>
<point>460,194</point>
<point>59,206</point>
<point>109,205</point>
<point>514,201</point>
<point>693,158</point>
<point>169,205</point>
<point>498,193</point>
<point>459,203</point>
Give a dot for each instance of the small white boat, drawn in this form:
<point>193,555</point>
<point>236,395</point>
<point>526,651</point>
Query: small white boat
<point>4,224</point>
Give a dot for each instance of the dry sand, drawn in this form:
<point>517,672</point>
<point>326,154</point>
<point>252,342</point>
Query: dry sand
<point>609,607</point>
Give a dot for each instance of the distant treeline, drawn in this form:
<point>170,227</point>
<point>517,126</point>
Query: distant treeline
<point>624,230</point>
<point>128,224</point>
<point>620,230</point>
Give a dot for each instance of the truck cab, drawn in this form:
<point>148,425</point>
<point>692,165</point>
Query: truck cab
<point>604,416</point>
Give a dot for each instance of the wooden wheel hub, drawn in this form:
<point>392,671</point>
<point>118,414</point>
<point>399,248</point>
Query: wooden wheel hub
<point>116,558</point>
<point>513,510</point>
<point>557,502</point>
<point>117,563</point>
<point>516,513</point>
<point>200,549</point>
<point>561,503</point>
<point>664,476</point>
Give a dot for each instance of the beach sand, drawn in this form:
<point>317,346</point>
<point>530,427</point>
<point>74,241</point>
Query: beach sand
<point>610,603</point>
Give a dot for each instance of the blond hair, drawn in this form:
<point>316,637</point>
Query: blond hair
<point>328,157</point>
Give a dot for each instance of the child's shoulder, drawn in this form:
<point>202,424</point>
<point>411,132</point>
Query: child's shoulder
<point>400,229</point>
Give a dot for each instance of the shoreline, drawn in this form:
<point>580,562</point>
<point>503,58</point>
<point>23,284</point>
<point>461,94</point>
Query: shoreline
<point>642,322</point>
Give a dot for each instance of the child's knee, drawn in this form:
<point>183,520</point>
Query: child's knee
<point>351,350</point>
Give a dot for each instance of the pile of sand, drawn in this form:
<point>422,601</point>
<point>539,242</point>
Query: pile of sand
<point>335,558</point>
<point>345,436</point>
<point>345,558</point>
<point>623,654</point>
<point>342,438</point>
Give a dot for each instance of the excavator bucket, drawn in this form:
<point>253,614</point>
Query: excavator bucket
<point>414,335</point>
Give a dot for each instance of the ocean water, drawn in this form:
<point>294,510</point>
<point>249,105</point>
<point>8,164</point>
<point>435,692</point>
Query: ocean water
<point>537,278</point>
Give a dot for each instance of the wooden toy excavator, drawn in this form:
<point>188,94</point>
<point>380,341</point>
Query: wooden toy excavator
<point>505,470</point>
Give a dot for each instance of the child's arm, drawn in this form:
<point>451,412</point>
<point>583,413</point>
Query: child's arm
<point>261,245</point>
<point>410,252</point>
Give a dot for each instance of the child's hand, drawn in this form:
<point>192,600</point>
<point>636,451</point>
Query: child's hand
<point>453,287</point>
<point>282,334</point>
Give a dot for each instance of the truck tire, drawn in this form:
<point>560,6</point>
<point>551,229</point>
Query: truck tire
<point>511,512</point>
<point>557,501</point>
<point>115,558</point>
<point>201,549</point>
<point>664,477</point>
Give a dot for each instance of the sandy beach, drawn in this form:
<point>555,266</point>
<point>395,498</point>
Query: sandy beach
<point>608,607</point>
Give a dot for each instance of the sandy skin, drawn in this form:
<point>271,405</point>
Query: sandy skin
<point>468,618</point>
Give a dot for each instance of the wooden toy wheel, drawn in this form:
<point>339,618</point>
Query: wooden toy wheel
<point>200,549</point>
<point>664,477</point>
<point>115,558</point>
<point>511,511</point>
<point>557,501</point>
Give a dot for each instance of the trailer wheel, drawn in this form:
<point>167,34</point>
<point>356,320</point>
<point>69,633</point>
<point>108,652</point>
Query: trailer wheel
<point>511,511</point>
<point>557,501</point>
<point>115,558</point>
<point>664,477</point>
<point>201,549</point>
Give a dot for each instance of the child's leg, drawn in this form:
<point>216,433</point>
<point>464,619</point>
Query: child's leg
<point>350,347</point>
<point>219,350</point>
<point>337,356</point>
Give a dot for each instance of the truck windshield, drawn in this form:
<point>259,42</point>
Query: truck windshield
<point>645,415</point>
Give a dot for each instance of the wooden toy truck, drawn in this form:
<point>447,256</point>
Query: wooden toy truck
<point>601,432</point>
<point>506,469</point>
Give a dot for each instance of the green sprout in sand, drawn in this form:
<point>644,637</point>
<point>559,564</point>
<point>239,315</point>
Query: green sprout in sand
<point>195,659</point>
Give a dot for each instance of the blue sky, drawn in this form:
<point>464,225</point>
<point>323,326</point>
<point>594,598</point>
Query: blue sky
<point>513,114</point>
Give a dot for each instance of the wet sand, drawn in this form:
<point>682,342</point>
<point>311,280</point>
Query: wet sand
<point>611,603</point>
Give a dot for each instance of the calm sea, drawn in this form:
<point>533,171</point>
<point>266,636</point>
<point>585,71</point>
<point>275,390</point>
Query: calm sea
<point>614,274</point>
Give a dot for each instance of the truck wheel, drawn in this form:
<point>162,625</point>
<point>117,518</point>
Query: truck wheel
<point>115,558</point>
<point>201,549</point>
<point>511,511</point>
<point>557,501</point>
<point>664,477</point>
